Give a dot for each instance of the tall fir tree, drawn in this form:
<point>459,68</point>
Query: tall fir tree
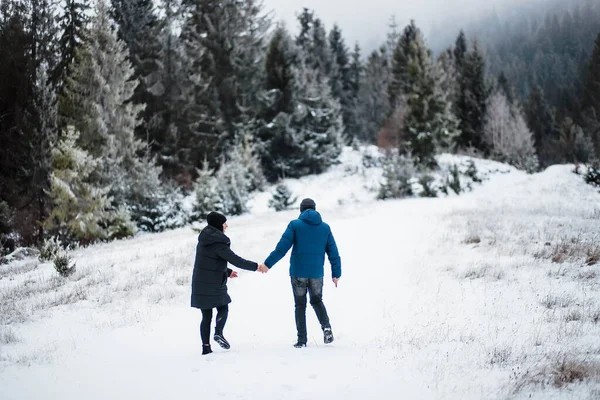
<point>472,99</point>
<point>340,80</point>
<point>97,100</point>
<point>230,38</point>
<point>460,50</point>
<point>139,27</point>
<point>316,125</point>
<point>540,119</point>
<point>73,25</point>
<point>430,124</point>
<point>80,211</point>
<point>372,106</point>
<point>355,76</point>
<point>28,122</point>
<point>304,38</point>
<point>278,104</point>
<point>400,78</point>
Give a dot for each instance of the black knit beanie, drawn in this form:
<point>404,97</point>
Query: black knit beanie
<point>306,204</point>
<point>216,220</point>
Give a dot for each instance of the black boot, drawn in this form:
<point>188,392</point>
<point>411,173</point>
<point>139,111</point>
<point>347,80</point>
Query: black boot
<point>300,345</point>
<point>327,335</point>
<point>222,341</point>
<point>206,349</point>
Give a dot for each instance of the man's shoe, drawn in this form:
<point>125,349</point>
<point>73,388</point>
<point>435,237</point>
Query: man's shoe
<point>222,341</point>
<point>327,335</point>
<point>300,345</point>
<point>206,349</point>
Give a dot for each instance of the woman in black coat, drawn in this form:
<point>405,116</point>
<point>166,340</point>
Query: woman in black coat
<point>209,281</point>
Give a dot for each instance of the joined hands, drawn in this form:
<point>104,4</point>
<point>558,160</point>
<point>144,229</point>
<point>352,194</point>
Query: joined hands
<point>262,268</point>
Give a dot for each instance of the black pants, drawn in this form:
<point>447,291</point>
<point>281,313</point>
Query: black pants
<point>314,287</point>
<point>207,314</point>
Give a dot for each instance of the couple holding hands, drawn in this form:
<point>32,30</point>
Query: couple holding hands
<point>310,239</point>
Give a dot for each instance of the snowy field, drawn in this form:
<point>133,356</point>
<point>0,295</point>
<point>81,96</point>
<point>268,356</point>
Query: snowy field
<point>487,295</point>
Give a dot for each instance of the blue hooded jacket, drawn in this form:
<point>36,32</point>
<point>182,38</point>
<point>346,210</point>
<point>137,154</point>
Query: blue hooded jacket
<point>311,238</point>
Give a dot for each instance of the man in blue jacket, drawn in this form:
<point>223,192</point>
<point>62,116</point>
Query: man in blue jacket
<point>310,238</point>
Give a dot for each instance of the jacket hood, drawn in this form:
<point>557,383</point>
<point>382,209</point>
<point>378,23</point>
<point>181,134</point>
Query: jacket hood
<point>211,235</point>
<point>311,217</point>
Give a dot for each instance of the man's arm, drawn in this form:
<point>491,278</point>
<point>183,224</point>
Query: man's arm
<point>334,257</point>
<point>284,245</point>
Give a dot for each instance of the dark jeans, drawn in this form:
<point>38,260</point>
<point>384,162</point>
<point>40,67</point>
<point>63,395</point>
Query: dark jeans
<point>207,314</point>
<point>314,287</point>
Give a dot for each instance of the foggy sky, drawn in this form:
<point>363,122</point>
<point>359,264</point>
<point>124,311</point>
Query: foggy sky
<point>366,21</point>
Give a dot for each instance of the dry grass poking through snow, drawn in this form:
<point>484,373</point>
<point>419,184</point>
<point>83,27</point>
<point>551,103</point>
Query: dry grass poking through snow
<point>543,240</point>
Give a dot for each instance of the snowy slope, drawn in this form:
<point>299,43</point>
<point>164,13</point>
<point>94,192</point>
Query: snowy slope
<point>449,298</point>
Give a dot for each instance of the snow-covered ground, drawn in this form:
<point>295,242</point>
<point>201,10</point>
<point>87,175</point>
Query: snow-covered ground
<point>481,296</point>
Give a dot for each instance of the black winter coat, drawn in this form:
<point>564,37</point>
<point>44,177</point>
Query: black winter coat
<point>209,281</point>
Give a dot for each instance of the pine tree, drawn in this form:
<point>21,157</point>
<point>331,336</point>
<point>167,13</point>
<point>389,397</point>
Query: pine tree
<point>27,109</point>
<point>460,50</point>
<point>229,38</point>
<point>320,56</point>
<point>80,210</point>
<point>15,95</point>
<point>340,80</point>
<point>472,99</point>
<point>239,174</point>
<point>208,196</point>
<point>400,79</point>
<point>372,104</point>
<point>139,27</point>
<point>505,87</point>
<point>398,172</point>
<point>540,119</point>
<point>429,123</point>
<point>97,101</point>
<point>282,198</point>
<point>278,103</point>
<point>304,39</point>
<point>447,72</point>
<point>73,25</point>
<point>180,120</point>
<point>355,76</point>
<point>576,146</point>
<point>316,125</point>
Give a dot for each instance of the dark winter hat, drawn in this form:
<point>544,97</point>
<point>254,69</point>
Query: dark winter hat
<point>216,220</point>
<point>306,204</point>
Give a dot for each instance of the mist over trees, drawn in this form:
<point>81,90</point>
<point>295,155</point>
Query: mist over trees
<point>112,112</point>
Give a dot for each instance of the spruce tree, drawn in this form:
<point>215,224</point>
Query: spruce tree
<point>340,81</point>
<point>305,19</point>
<point>206,190</point>
<point>540,119</point>
<point>278,104</point>
<point>139,27</point>
<point>97,99</point>
<point>429,123</point>
<point>282,198</point>
<point>73,26</point>
<point>316,125</point>
<point>80,210</point>
<point>372,106</point>
<point>472,99</point>
<point>400,82</point>
<point>227,40</point>
<point>355,76</point>
<point>460,50</point>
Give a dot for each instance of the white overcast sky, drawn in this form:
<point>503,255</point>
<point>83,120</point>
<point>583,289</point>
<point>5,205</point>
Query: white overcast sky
<point>365,21</point>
